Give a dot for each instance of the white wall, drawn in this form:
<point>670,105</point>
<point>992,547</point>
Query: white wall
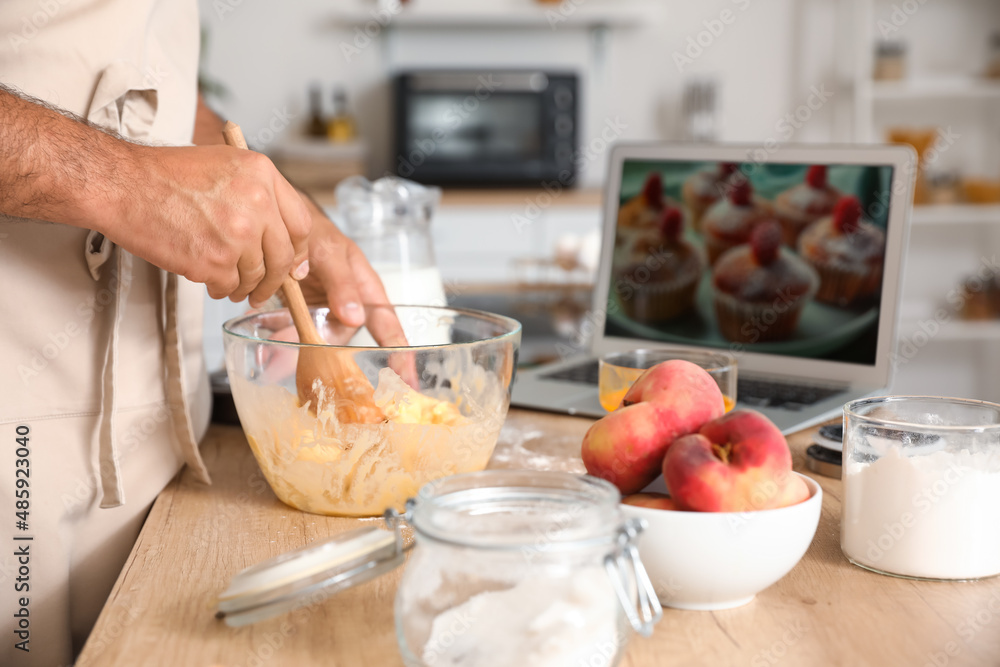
<point>268,56</point>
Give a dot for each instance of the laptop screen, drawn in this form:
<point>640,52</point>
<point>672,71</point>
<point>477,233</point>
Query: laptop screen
<point>783,259</point>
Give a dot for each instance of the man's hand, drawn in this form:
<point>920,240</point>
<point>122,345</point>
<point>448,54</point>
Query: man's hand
<point>342,278</point>
<point>215,215</point>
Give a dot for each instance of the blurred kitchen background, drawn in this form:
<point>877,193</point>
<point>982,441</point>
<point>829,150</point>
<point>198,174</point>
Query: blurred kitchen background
<point>317,86</point>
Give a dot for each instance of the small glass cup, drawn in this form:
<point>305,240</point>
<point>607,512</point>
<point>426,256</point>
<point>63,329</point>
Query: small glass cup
<point>618,371</point>
<point>922,487</point>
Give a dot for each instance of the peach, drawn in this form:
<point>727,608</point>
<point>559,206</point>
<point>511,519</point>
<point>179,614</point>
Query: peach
<point>671,399</point>
<point>656,501</point>
<point>738,463</point>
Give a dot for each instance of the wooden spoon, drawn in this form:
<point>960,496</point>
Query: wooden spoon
<point>321,369</point>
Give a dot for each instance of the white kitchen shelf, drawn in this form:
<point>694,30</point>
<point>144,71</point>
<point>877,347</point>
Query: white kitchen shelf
<point>936,88</point>
<point>955,330</point>
<point>952,214</point>
<point>547,16</point>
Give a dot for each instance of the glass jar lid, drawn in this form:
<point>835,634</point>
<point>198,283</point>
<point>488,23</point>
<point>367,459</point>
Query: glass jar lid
<point>510,509</point>
<point>310,574</point>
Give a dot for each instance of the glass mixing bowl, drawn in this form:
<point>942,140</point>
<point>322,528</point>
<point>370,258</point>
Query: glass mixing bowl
<point>445,398</point>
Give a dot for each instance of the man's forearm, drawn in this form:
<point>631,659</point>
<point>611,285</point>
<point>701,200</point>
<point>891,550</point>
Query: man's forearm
<point>55,167</point>
<point>207,125</point>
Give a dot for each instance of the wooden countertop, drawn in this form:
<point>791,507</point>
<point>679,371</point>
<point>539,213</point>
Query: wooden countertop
<point>580,197</point>
<point>824,612</point>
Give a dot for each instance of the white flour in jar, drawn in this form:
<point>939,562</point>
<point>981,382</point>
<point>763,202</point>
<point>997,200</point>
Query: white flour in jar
<point>933,515</point>
<point>539,622</point>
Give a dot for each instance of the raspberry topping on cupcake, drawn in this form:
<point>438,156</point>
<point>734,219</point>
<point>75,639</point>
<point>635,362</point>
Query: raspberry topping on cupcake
<point>741,194</point>
<point>847,215</point>
<point>816,176</point>
<point>765,240</point>
<point>652,191</point>
<point>671,224</point>
<point>803,204</point>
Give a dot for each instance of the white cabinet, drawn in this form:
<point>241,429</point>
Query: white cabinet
<point>946,54</point>
<point>479,245</point>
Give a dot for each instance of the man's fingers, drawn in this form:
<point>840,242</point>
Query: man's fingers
<point>298,222</point>
<point>219,287</point>
<point>382,322</point>
<point>341,288</point>
<point>278,256</point>
<point>252,270</point>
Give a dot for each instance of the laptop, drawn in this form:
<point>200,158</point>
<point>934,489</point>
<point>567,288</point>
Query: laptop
<point>842,344</point>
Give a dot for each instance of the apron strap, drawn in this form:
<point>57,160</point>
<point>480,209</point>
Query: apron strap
<point>176,384</point>
<point>125,101</point>
<point>112,493</point>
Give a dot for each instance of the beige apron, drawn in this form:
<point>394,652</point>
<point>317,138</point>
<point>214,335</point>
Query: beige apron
<point>101,351</point>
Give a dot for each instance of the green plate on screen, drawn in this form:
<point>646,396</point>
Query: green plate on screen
<point>822,329</point>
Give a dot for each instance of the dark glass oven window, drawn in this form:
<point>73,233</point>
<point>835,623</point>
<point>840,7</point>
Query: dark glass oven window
<point>452,126</point>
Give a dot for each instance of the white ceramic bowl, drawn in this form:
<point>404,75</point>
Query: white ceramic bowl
<point>719,560</point>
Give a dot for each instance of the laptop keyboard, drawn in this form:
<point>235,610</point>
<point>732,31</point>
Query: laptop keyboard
<point>767,393</point>
<point>754,393</point>
<point>585,373</point>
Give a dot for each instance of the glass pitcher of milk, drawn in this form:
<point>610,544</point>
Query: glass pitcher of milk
<point>390,221</point>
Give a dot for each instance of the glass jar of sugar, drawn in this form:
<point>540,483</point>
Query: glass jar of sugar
<point>922,487</point>
<point>521,567</point>
<point>511,567</point>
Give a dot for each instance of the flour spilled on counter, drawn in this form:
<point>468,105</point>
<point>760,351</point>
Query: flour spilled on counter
<point>934,515</point>
<point>540,622</point>
<point>533,449</point>
<point>316,464</point>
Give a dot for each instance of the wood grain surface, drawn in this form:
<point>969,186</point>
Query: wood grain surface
<point>825,612</point>
<point>459,197</point>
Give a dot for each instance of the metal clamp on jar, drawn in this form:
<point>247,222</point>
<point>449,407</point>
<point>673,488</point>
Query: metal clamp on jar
<point>512,567</point>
